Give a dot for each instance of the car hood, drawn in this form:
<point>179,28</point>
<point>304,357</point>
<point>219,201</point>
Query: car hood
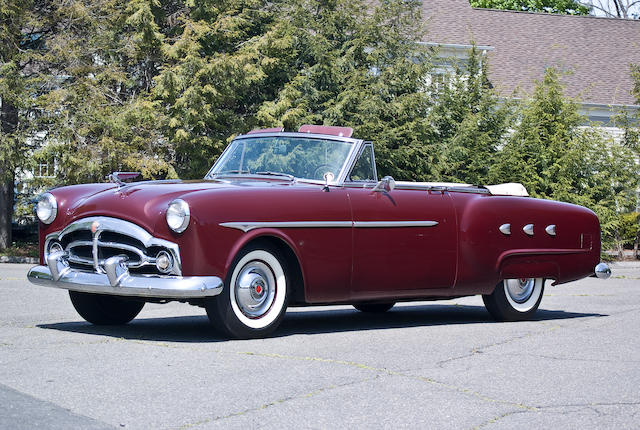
<point>145,202</point>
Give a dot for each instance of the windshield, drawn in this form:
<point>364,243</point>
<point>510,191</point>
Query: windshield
<point>300,157</point>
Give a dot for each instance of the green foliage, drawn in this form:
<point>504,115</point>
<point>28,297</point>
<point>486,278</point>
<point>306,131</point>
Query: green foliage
<point>568,7</point>
<point>629,229</point>
<point>225,61</point>
<point>91,82</point>
<point>362,68</point>
<point>470,123</point>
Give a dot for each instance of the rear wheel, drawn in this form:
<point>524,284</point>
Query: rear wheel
<point>254,300</point>
<point>515,299</point>
<point>101,309</point>
<point>375,308</point>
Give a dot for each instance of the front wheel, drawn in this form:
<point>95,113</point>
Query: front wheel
<point>254,299</point>
<point>102,309</point>
<point>515,299</point>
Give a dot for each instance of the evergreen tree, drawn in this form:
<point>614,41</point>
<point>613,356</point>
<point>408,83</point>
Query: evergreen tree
<point>93,76</point>
<point>226,60</point>
<point>470,122</point>
<point>360,66</point>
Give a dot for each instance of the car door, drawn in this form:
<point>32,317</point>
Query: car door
<point>404,241</point>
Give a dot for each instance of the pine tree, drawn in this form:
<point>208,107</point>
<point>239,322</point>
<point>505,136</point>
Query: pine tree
<point>470,121</point>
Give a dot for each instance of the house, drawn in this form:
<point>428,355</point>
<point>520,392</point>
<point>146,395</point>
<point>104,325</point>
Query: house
<point>595,52</point>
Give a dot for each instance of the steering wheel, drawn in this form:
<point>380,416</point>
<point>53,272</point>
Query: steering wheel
<point>319,172</point>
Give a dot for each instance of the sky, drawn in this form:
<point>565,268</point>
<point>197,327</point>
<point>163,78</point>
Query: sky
<point>634,12</point>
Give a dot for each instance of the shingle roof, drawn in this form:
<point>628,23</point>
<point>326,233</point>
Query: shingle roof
<point>597,51</point>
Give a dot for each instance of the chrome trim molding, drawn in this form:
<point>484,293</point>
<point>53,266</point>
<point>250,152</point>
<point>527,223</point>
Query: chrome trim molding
<point>394,224</point>
<point>602,271</point>
<point>118,281</point>
<point>528,229</point>
<point>551,230</point>
<point>505,229</point>
<point>246,226</point>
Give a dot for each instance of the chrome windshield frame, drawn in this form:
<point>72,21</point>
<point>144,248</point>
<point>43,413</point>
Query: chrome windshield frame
<point>340,179</point>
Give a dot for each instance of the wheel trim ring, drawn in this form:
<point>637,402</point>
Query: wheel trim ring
<point>280,284</point>
<point>519,289</point>
<point>531,301</point>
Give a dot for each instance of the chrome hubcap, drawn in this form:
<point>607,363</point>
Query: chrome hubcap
<point>521,289</point>
<point>255,289</point>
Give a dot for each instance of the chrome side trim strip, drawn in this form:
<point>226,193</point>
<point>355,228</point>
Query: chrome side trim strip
<point>246,226</point>
<point>394,224</point>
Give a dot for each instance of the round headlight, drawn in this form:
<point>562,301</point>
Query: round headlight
<point>178,215</point>
<point>47,208</point>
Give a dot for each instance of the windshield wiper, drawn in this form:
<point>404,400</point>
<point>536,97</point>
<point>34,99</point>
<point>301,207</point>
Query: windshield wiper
<point>286,175</point>
<point>229,172</point>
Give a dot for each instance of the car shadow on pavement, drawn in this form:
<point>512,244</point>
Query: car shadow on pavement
<point>305,321</point>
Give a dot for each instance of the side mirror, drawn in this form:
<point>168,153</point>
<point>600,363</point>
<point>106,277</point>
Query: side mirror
<point>328,177</point>
<point>386,184</point>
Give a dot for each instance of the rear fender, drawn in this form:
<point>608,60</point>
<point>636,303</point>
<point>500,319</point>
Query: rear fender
<point>529,266</point>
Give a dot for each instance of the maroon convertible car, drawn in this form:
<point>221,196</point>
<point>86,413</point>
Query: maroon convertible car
<point>287,219</point>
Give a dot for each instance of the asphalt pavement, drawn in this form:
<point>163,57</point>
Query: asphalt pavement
<point>421,365</point>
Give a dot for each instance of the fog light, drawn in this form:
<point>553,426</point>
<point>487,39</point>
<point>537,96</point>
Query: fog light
<point>164,262</point>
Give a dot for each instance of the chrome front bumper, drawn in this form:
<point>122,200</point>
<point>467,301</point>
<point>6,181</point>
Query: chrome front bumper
<point>118,281</point>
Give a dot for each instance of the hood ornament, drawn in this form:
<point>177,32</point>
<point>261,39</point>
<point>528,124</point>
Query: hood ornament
<point>120,177</point>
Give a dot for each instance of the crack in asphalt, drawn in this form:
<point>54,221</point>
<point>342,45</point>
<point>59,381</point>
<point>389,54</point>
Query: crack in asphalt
<point>588,360</point>
<point>450,387</point>
<point>481,349</point>
<point>380,372</point>
<point>548,409</point>
<point>275,403</point>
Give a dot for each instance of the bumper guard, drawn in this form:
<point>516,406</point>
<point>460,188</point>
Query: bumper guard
<point>118,281</point>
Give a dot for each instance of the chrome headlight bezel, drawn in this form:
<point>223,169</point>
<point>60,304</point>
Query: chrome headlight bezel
<point>178,215</point>
<point>47,208</point>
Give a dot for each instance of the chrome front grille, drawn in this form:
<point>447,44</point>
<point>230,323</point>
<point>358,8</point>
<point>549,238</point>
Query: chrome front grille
<point>89,242</point>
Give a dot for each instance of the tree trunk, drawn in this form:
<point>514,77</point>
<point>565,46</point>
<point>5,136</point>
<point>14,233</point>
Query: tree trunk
<point>6,211</point>
<point>9,123</point>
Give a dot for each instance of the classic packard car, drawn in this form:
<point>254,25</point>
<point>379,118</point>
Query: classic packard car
<point>292,219</point>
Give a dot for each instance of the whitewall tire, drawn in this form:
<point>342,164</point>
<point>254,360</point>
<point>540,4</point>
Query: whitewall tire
<point>255,295</point>
<point>515,299</point>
